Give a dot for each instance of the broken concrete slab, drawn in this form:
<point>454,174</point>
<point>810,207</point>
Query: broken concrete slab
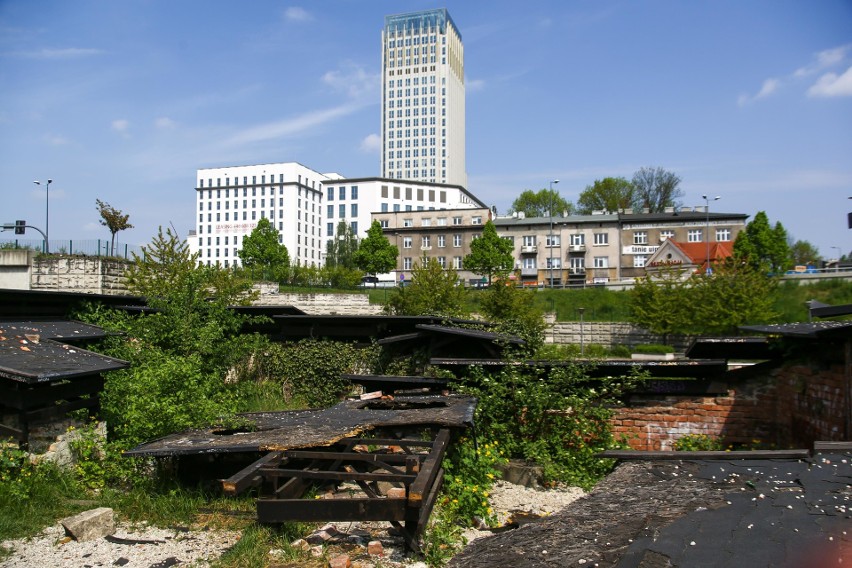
<point>90,525</point>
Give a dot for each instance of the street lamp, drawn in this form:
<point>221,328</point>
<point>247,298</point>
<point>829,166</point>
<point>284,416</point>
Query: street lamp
<point>551,231</point>
<point>707,210</point>
<point>46,214</point>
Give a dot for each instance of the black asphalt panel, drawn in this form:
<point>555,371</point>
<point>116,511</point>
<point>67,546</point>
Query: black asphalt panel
<point>60,330</point>
<point>788,513</point>
<point>274,431</point>
<point>27,356</point>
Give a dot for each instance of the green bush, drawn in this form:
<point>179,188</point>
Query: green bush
<point>559,420</point>
<point>698,443</point>
<point>653,349</point>
<point>469,473</point>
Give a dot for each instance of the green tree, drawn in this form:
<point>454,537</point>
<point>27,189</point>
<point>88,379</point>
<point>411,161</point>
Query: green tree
<point>660,304</point>
<point>735,294</point>
<point>803,252</point>
<point>376,255</point>
<point>515,312</point>
<point>490,254</point>
<point>763,246</point>
<point>340,251</point>
<point>656,189</point>
<point>433,291</point>
<point>608,194</point>
<point>543,203</point>
<point>113,219</point>
<point>261,249</point>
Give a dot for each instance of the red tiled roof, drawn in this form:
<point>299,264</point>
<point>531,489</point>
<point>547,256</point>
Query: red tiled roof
<point>697,252</point>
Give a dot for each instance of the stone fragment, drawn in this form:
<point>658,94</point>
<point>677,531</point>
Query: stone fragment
<point>371,395</point>
<point>375,548</point>
<point>90,525</point>
<point>396,493</point>
<point>300,544</point>
<point>340,561</point>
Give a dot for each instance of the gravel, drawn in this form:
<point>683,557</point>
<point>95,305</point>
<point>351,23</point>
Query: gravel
<point>52,548</point>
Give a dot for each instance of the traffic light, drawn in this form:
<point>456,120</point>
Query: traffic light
<point>20,227</point>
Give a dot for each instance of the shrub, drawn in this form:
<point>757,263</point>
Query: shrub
<point>698,443</point>
<point>469,473</point>
<point>653,349</point>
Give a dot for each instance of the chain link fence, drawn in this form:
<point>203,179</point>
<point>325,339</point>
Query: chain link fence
<point>83,247</point>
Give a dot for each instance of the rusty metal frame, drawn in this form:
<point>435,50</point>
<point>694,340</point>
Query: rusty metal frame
<point>285,476</point>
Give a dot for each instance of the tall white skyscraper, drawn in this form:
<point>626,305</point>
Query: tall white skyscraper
<point>423,116</point>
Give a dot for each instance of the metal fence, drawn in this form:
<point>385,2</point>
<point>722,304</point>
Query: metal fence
<point>83,247</point>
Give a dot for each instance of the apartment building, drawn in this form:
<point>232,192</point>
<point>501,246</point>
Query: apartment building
<point>443,235</point>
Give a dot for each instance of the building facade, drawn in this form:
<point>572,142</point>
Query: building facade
<point>230,201</point>
<point>442,235</point>
<point>423,98</point>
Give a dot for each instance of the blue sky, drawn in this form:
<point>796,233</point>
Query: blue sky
<point>123,101</point>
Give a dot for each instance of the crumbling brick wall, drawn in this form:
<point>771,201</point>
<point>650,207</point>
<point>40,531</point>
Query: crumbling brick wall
<point>803,400</point>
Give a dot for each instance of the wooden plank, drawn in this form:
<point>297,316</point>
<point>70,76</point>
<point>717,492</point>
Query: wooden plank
<point>319,510</point>
<point>825,446</point>
<point>429,469</point>
<point>248,476</point>
<point>391,442</point>
<point>704,455</point>
<point>337,475</point>
<point>348,456</point>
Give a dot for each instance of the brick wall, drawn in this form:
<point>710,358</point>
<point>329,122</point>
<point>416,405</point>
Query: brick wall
<point>805,399</point>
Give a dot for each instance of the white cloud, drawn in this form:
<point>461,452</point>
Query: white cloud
<point>122,126</point>
<point>164,123</point>
<point>824,59</point>
<point>833,85</point>
<point>473,85</point>
<point>769,86</point>
<point>297,14</point>
<point>371,144</point>
<point>291,126</point>
<point>353,80</point>
<point>65,53</point>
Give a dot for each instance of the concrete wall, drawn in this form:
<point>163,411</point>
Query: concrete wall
<point>78,274</point>
<point>804,400</point>
<point>607,334</point>
<point>320,304</point>
<point>16,268</point>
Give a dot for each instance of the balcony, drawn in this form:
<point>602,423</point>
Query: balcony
<point>577,270</point>
<point>529,249</point>
<point>426,248</point>
<point>529,271</point>
<point>577,248</point>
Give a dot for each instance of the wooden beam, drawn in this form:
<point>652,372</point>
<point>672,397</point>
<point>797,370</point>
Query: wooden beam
<point>248,476</point>
<point>318,510</point>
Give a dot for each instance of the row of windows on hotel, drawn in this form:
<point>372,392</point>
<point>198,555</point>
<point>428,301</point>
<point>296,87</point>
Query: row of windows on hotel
<point>236,180</point>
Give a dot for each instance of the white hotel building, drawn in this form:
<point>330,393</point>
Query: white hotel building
<point>305,206</point>
<point>423,98</point>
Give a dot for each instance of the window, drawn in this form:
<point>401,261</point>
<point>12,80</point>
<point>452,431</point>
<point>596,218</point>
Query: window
<point>553,262</point>
<point>353,191</point>
<point>665,235</point>
<point>406,263</point>
<point>353,210</point>
<point>578,240</point>
<point>354,226</point>
<point>694,235</point>
<point>330,212</point>
<point>406,242</point>
<point>384,223</point>
<point>552,241</point>
<point>640,238</point>
<point>442,241</point>
<point>341,192</point>
<point>407,222</point>
<point>384,207</point>
<point>330,195</point>
<point>529,240</point>
<point>476,220</point>
<point>457,220</point>
<point>601,262</point>
<point>457,262</point>
<point>457,240</point>
<point>723,235</point>
<point>442,221</point>
<point>385,191</point>
<point>639,260</point>
<point>329,229</point>
<point>442,261</point>
<point>529,263</point>
<point>577,263</point>
<point>601,239</point>
<point>426,222</point>
<point>342,210</point>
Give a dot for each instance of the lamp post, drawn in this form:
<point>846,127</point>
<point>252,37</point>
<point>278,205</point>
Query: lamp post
<point>551,231</point>
<point>707,211</point>
<point>46,214</point>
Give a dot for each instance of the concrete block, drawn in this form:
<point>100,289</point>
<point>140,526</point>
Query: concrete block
<point>90,525</point>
